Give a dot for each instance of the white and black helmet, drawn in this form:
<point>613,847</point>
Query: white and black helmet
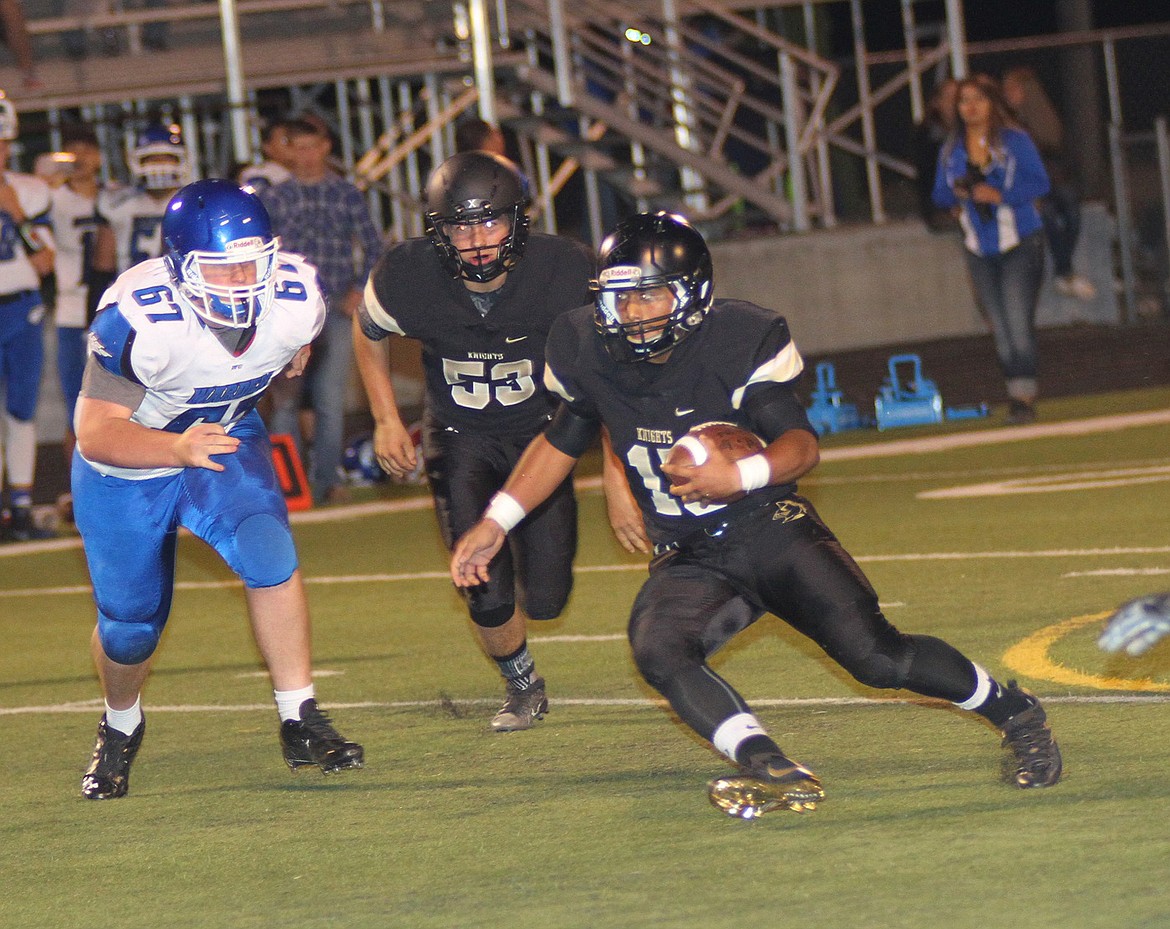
<point>645,251</point>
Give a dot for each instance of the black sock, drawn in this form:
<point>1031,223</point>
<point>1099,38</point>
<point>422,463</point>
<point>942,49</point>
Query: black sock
<point>758,751</point>
<point>1002,704</point>
<point>518,668</point>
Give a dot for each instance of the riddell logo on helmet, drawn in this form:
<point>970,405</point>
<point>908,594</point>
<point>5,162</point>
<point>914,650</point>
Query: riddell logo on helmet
<point>240,245</point>
<point>621,274</point>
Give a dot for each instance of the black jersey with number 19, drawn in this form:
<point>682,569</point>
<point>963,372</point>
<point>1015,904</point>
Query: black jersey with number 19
<point>484,373</point>
<point>738,361</point>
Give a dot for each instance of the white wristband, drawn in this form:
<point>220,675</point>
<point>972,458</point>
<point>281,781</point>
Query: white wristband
<point>505,510</point>
<point>754,472</point>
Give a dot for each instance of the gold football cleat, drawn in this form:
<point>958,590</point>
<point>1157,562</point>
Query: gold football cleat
<point>752,794</point>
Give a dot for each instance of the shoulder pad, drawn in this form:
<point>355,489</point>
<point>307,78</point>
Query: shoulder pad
<point>111,339</point>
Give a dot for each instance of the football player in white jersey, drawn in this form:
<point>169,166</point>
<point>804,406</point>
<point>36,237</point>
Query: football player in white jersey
<point>75,222</point>
<point>26,256</point>
<point>168,437</point>
<point>132,216</point>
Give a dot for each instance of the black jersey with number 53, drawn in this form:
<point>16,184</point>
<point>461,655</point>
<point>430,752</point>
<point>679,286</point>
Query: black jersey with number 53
<point>484,373</point>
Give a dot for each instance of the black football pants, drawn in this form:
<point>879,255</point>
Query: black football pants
<point>779,558</point>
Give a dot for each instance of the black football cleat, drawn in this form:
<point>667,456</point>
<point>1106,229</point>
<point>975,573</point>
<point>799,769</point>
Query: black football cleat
<point>108,775</point>
<point>312,740</point>
<point>521,708</point>
<point>1036,756</point>
<point>23,528</point>
<point>781,784</point>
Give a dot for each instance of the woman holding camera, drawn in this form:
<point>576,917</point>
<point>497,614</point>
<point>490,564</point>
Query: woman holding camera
<point>991,174</point>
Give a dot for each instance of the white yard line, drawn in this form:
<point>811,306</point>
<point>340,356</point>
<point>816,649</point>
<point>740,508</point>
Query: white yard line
<point>90,706</point>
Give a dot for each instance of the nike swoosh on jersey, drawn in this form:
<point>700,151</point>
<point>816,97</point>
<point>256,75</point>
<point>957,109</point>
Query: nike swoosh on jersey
<point>511,341</point>
<point>678,412</point>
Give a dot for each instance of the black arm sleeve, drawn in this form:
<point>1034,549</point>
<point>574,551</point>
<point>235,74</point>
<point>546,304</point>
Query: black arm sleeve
<point>570,432</point>
<point>370,329</point>
<point>774,410</point>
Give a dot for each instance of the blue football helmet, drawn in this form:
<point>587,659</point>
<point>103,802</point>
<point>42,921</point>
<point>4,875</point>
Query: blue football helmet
<point>158,160</point>
<point>219,246</point>
<point>646,251</point>
<point>9,124</point>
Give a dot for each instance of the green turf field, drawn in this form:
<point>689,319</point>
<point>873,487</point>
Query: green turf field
<point>598,817</point>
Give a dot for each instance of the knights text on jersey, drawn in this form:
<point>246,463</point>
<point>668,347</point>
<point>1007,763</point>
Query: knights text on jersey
<point>136,220</point>
<point>147,333</point>
<point>16,272</point>
<point>484,374</point>
<point>739,349</point>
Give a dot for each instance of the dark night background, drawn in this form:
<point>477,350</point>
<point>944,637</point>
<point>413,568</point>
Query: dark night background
<point>990,19</point>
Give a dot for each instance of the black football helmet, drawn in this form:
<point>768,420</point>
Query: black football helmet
<point>652,250</point>
<point>471,189</point>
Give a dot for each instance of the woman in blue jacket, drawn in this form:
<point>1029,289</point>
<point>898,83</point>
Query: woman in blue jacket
<point>991,174</point>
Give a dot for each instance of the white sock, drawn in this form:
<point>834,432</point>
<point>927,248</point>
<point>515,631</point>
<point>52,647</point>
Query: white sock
<point>125,721</point>
<point>733,731</point>
<point>288,702</point>
<point>21,453</point>
<point>983,690</point>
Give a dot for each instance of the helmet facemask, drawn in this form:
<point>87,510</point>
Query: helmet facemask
<point>457,240</point>
<point>643,339</point>
<point>159,160</point>
<point>472,189</point>
<point>646,252</point>
<point>231,288</point>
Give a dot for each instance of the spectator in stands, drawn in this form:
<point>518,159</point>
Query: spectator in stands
<point>930,134</point>
<point>478,135</point>
<point>325,218</point>
<point>276,168</point>
<point>991,174</point>
<point>19,42</point>
<point>1060,210</point>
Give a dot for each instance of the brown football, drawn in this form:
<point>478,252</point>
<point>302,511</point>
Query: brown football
<point>726,439</point>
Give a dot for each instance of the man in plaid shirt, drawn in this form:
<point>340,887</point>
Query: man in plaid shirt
<point>325,218</point>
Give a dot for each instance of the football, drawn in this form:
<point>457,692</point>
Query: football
<point>727,439</point>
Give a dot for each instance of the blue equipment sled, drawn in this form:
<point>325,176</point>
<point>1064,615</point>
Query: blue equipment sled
<point>829,412</point>
<point>907,398</point>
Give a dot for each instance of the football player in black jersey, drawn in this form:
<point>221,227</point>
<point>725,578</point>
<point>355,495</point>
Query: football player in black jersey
<point>481,294</point>
<point>655,356</point>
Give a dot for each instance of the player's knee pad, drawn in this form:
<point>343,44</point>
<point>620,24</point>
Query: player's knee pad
<point>128,642</point>
<point>886,665</point>
<point>491,617</point>
<point>660,662</point>
<point>265,555</point>
<point>548,605</point>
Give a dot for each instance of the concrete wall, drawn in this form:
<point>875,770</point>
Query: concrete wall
<point>866,286</point>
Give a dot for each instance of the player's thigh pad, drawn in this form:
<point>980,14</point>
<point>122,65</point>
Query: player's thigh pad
<point>676,617</point>
<point>464,472</point>
<point>240,511</point>
<point>798,570</point>
<point>129,536</point>
<point>545,544</point>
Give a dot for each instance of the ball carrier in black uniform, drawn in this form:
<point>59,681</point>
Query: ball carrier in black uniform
<point>480,295</point>
<point>654,357</point>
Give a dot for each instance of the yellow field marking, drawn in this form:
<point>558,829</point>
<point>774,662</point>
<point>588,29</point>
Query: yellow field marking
<point>1030,657</point>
